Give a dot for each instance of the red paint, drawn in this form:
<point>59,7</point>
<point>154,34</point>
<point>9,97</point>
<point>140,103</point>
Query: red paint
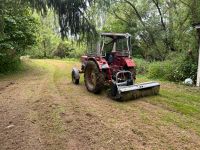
<point>119,63</point>
<point>129,62</point>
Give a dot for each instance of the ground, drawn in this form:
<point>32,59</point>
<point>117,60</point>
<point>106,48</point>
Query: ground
<point>41,109</point>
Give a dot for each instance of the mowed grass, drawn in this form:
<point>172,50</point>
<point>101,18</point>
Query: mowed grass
<point>176,97</point>
<point>180,104</point>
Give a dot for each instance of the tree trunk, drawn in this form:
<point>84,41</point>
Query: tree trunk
<point>198,70</point>
<point>45,53</point>
<point>1,19</point>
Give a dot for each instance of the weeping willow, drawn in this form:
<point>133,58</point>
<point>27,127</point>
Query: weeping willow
<point>72,14</point>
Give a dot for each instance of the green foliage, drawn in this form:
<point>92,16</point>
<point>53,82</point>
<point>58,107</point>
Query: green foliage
<point>63,50</point>
<point>49,42</point>
<point>79,49</point>
<point>158,27</point>
<point>19,33</point>
<point>160,70</point>
<point>114,25</point>
<point>195,11</point>
<point>47,37</point>
<point>19,30</point>
<point>9,62</point>
<point>71,14</point>
<point>177,69</point>
<point>141,66</point>
<point>69,49</point>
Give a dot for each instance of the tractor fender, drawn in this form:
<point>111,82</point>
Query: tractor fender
<point>100,62</point>
<point>129,62</point>
<point>76,73</point>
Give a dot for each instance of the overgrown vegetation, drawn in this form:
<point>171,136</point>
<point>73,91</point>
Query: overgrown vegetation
<point>176,68</point>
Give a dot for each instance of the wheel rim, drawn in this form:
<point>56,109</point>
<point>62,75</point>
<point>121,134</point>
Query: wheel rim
<point>91,79</point>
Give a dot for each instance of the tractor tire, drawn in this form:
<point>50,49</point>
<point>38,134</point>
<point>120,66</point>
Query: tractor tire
<point>74,79</point>
<point>93,78</point>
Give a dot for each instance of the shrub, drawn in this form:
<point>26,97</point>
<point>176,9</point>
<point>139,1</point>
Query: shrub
<point>70,49</point>
<point>19,34</point>
<point>9,62</point>
<point>177,69</point>
<point>63,49</point>
<point>141,66</point>
<point>160,70</point>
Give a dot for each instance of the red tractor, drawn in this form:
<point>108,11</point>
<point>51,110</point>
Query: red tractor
<point>111,64</point>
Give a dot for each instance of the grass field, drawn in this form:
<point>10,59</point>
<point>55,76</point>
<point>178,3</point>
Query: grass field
<point>44,103</point>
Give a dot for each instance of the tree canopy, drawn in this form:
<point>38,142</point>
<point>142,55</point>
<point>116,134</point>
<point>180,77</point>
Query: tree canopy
<point>72,14</point>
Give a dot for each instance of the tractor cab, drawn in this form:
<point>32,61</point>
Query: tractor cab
<point>115,44</point>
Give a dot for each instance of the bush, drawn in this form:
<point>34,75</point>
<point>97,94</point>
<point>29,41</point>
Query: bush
<point>63,49</point>
<point>69,49</point>
<point>177,69</point>
<point>19,34</point>
<point>9,63</point>
<point>141,66</point>
<point>160,70</point>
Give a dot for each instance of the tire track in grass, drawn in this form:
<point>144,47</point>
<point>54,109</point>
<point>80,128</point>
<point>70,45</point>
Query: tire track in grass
<point>47,109</point>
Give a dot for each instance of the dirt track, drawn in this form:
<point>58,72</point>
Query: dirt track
<point>42,109</point>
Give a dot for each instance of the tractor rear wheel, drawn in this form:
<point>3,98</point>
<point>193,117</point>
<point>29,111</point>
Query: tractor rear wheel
<point>93,78</point>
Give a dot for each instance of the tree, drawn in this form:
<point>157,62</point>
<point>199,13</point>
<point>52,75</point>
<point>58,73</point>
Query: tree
<point>19,33</point>
<point>158,27</point>
<point>72,14</point>
<point>48,36</point>
<point>63,50</point>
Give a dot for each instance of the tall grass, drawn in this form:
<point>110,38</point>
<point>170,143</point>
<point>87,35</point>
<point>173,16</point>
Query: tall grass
<point>176,69</point>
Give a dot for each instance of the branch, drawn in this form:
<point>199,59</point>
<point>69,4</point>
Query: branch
<point>160,13</point>
<point>136,11</point>
<point>186,4</point>
<point>120,18</point>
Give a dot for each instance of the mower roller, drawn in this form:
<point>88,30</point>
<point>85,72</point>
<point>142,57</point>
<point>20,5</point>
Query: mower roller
<point>111,64</point>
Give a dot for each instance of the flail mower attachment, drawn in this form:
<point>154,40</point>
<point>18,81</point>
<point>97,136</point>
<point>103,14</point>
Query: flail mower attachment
<point>127,90</point>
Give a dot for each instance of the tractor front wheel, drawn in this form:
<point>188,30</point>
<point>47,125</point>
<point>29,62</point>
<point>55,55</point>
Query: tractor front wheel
<point>74,79</point>
<point>93,78</point>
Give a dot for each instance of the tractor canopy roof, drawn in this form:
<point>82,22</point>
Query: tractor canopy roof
<point>116,35</point>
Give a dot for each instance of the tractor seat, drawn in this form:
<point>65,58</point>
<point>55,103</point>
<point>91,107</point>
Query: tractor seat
<point>109,58</point>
